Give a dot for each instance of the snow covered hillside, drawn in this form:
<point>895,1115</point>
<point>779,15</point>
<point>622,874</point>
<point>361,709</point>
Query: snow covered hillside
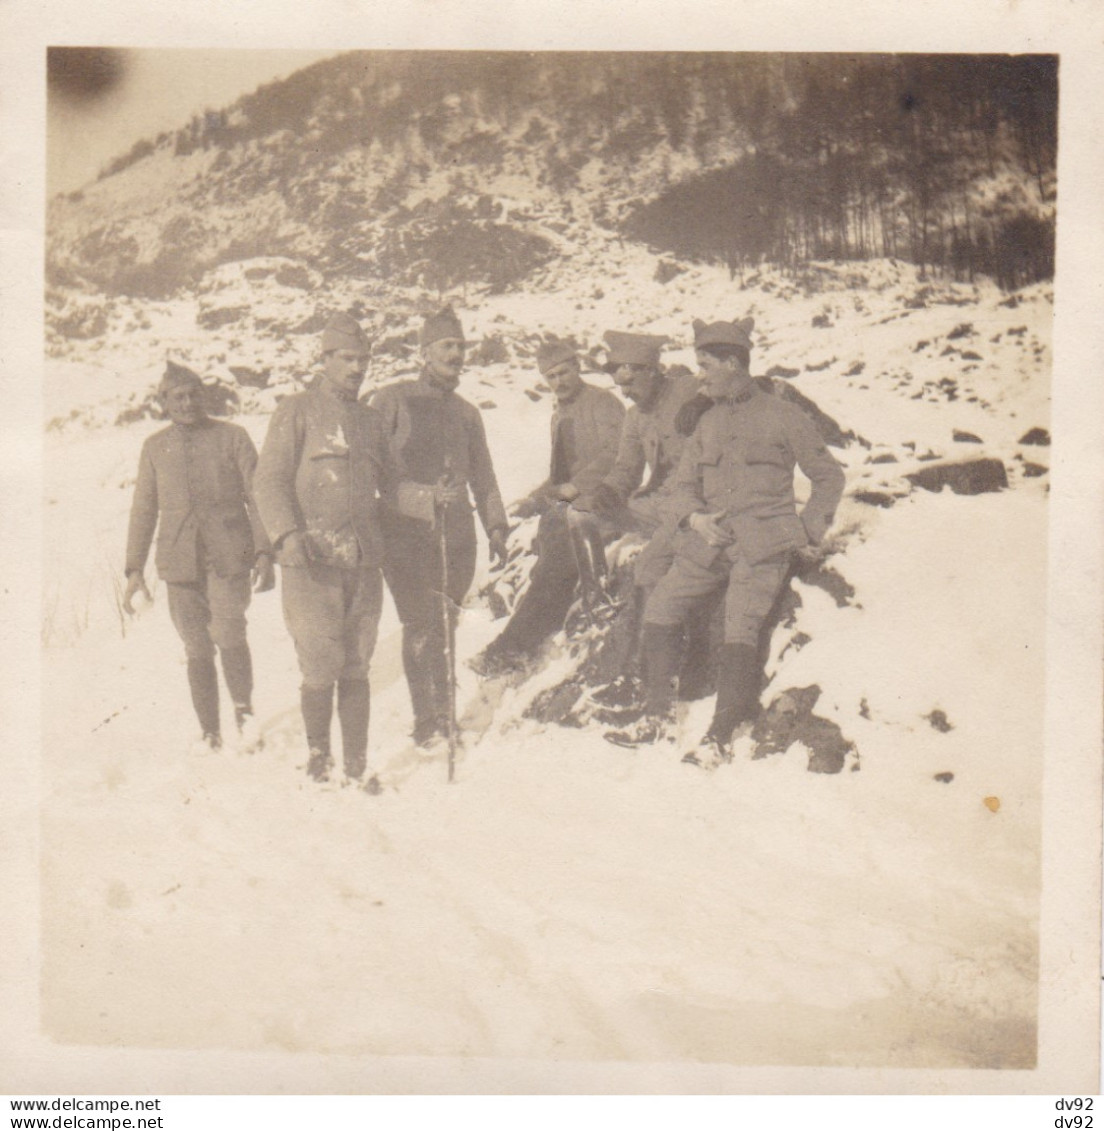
<point>565,898</point>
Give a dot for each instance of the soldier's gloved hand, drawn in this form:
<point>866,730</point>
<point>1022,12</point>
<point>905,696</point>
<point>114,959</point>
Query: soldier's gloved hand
<point>136,583</point>
<point>264,573</point>
<point>496,541</point>
<point>567,492</point>
<point>708,526</point>
<point>607,499</point>
<point>687,417</point>
<point>293,550</point>
<point>445,493</point>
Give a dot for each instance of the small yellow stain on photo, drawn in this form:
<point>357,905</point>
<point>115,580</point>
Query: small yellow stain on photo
<point>992,804</point>
<point>118,896</point>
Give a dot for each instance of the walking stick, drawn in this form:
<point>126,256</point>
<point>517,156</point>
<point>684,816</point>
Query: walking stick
<point>446,619</point>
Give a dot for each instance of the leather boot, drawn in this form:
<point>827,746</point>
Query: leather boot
<point>237,669</point>
<point>317,707</point>
<point>618,655</point>
<point>353,705</point>
<point>203,682</point>
<point>739,677</point>
<point>661,647</point>
<point>419,679</point>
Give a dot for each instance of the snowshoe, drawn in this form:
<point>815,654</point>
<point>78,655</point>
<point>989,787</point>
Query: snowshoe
<point>589,613</point>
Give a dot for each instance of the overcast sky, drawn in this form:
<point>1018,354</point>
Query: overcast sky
<point>96,112</point>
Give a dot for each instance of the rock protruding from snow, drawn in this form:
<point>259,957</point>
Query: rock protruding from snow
<point>790,719</point>
<point>969,477</point>
<point>1037,437</point>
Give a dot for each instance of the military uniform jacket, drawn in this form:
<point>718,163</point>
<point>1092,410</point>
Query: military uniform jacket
<point>585,434</point>
<point>649,438</point>
<point>740,461</point>
<point>323,467</point>
<point>193,487</point>
<point>433,433</point>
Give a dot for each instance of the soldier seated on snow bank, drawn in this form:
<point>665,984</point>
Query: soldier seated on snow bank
<point>664,410</point>
<point>586,424</point>
<point>732,500</point>
<point>633,497</point>
<point>194,488</point>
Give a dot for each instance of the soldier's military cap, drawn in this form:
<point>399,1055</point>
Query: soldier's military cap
<point>177,375</point>
<point>632,349</point>
<point>551,354</point>
<point>343,332</point>
<point>735,333</point>
<point>443,324</point>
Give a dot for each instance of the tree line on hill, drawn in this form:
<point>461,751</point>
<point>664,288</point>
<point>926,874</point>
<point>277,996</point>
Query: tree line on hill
<point>945,160</point>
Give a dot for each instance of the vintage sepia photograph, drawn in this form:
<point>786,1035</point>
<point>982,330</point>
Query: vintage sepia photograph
<point>545,555</point>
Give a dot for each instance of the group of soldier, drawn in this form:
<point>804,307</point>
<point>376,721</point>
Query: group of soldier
<point>349,493</point>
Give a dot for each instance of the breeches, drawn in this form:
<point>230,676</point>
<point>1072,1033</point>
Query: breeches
<point>556,559</point>
<point>333,617</point>
<point>210,612</point>
<point>413,568</point>
<point>750,596</point>
<point>654,562</point>
<point>644,515</point>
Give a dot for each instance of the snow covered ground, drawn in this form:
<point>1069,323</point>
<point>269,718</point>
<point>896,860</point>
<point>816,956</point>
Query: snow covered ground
<point>566,899</point>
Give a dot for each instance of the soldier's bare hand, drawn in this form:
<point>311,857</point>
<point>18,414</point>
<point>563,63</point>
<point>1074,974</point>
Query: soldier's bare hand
<point>528,507</point>
<point>811,553</point>
<point>709,527</point>
<point>293,551</point>
<point>136,584</point>
<point>264,574</point>
<point>567,492</point>
<point>496,542</point>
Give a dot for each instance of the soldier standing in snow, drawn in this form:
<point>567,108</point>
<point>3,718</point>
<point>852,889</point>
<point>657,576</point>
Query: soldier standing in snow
<point>586,424</point>
<point>733,502</point>
<point>441,447</point>
<point>193,487</point>
<point>323,466</point>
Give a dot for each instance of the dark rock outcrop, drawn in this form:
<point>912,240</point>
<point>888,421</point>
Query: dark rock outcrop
<point>970,477</point>
<point>1037,437</point>
<point>790,719</point>
<point>875,498</point>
